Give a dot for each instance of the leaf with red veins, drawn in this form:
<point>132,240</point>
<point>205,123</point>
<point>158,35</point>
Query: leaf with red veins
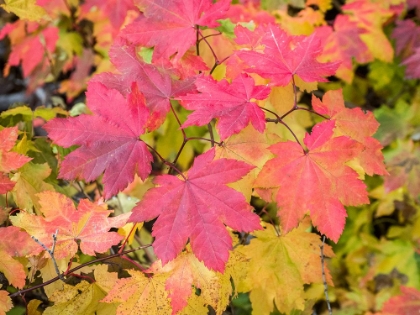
<point>109,140</point>
<point>10,161</point>
<point>317,181</point>
<point>170,25</point>
<point>89,225</point>
<point>197,207</point>
<point>280,61</point>
<point>230,103</point>
<point>158,85</point>
<point>357,125</point>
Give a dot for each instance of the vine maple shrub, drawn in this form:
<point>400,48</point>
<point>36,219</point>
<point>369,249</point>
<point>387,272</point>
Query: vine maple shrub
<point>238,114</point>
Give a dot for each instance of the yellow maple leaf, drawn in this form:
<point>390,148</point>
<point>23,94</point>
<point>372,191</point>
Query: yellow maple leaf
<point>25,9</point>
<point>140,295</point>
<point>290,261</point>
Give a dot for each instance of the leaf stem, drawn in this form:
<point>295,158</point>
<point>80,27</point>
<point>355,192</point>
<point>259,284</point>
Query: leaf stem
<point>171,165</point>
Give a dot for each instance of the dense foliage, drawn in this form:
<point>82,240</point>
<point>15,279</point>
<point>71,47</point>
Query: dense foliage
<point>194,157</point>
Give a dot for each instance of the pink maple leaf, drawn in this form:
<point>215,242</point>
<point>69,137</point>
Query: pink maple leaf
<point>231,103</point>
<point>280,62</point>
<point>196,207</point>
<point>170,25</point>
<point>158,85</point>
<point>109,140</point>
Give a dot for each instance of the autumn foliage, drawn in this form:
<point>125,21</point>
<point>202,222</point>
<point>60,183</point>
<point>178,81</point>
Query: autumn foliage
<point>212,157</point>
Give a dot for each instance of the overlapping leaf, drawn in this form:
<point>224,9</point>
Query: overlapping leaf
<point>109,140</point>
<point>170,25</point>
<point>140,295</point>
<point>89,225</point>
<point>157,84</point>
<point>231,103</point>
<point>200,203</point>
<point>317,181</point>
<point>15,243</point>
<point>292,258</point>
<point>357,125</point>
<point>280,62</point>
<point>9,161</point>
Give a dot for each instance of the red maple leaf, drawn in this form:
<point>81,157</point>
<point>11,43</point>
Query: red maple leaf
<point>88,226</point>
<point>231,103</point>
<point>158,85</point>
<point>405,304</point>
<point>317,181</point>
<point>109,140</point>
<point>197,207</point>
<point>170,25</point>
<point>280,62</point>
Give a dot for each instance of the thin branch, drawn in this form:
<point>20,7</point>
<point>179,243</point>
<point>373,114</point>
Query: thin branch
<point>197,41</point>
<point>210,128</point>
<point>205,139</point>
<point>211,35</point>
<point>51,252</point>
<point>166,162</point>
<point>312,112</point>
<point>179,122</point>
<point>21,292</point>
<point>324,280</point>
<point>208,44</point>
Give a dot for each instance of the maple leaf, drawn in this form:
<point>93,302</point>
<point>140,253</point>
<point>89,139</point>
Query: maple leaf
<point>30,181</point>
<point>412,64</point>
<point>279,62</point>
<point>170,25</point>
<point>84,297</point>
<point>248,146</point>
<point>231,103</point>
<point>114,10</point>
<point>343,44</point>
<point>370,16</point>
<point>31,50</point>
<point>404,170</point>
<point>201,203</point>
<point>26,10</point>
<point>15,243</point>
<point>186,274</point>
<point>356,124</point>
<point>140,295</point>
<point>5,302</point>
<point>293,258</point>
<point>157,84</point>
<point>10,161</point>
<point>407,36</point>
<point>89,225</point>
<point>406,303</point>
<point>317,181</point>
<point>109,140</point>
